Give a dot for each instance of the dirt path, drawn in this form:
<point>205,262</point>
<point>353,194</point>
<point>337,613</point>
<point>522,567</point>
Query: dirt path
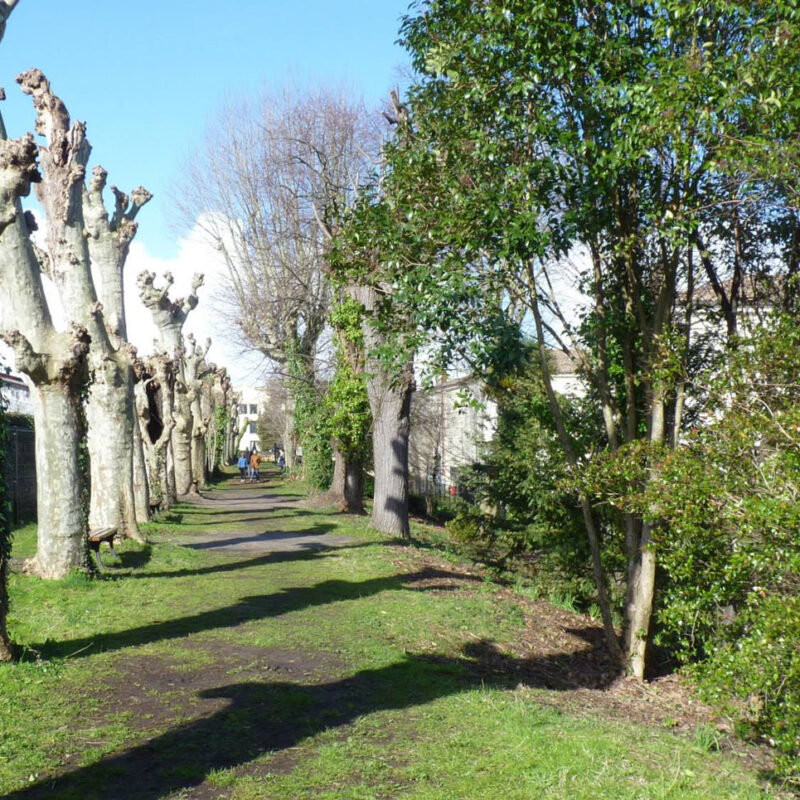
<point>253,506</point>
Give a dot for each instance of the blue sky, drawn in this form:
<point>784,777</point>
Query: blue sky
<point>147,76</point>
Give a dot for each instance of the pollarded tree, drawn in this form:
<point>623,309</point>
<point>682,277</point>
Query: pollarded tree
<point>53,361</point>
<point>169,317</point>
<point>70,213</point>
<point>218,434</point>
<point>154,399</point>
<point>198,380</point>
<point>113,430</point>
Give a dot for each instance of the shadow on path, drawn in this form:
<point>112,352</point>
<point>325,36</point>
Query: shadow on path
<point>247,609</point>
<point>304,552</point>
<point>262,717</point>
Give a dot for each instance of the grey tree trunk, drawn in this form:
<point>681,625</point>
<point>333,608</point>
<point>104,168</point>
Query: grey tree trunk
<point>61,523</point>
<point>154,395</point>
<point>169,317</point>
<point>110,441</point>
<point>354,488</point>
<point>112,416</point>
<point>289,436</point>
<point>54,362</point>
<point>347,486</point>
<point>141,485</point>
<point>391,406</point>
<point>181,444</point>
<point>390,402</point>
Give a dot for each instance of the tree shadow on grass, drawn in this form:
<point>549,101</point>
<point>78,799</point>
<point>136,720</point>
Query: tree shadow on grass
<point>247,609</point>
<point>265,537</point>
<point>136,559</point>
<point>266,717</point>
<point>304,552</point>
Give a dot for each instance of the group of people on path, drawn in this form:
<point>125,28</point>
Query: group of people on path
<point>250,466</point>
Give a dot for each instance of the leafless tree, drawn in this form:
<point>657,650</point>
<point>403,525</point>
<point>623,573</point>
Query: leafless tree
<point>268,168</point>
<point>169,317</point>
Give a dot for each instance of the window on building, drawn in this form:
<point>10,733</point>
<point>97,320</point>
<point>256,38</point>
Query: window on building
<point>253,427</point>
<point>242,408</point>
<point>253,408</point>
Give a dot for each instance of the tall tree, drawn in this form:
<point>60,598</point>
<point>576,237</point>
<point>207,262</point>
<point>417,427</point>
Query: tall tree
<point>546,131</point>
<point>169,317</point>
<point>55,362</point>
<point>267,170</point>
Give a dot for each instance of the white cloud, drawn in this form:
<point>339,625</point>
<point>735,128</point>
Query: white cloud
<point>209,320</point>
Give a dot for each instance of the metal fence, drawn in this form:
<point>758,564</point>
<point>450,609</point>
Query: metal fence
<point>423,486</point>
<point>19,474</point>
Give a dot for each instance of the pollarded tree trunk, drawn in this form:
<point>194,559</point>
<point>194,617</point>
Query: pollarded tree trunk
<point>110,442</point>
<point>54,362</point>
<point>61,524</point>
<point>112,413</point>
<point>181,444</point>
<point>154,396</point>
<point>141,485</point>
<point>62,542</point>
<point>196,373</point>
<point>169,317</point>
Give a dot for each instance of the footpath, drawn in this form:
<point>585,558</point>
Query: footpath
<point>260,648</point>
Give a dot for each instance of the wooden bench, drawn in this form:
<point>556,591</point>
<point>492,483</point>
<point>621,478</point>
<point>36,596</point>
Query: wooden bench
<point>97,537</point>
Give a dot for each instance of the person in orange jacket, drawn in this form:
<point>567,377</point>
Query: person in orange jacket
<point>255,463</point>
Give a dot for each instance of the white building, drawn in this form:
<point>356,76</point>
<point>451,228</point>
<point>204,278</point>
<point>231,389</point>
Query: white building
<point>251,404</point>
<point>453,421</point>
<point>450,423</point>
<point>15,392</point>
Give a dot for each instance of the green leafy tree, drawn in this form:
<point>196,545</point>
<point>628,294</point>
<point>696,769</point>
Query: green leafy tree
<point>346,406</point>
<point>728,505</point>
<point>544,133</point>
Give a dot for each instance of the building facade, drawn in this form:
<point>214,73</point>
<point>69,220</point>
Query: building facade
<point>250,405</point>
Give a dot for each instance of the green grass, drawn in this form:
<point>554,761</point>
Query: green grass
<point>334,674</point>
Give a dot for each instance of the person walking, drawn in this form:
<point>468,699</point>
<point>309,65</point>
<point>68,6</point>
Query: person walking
<point>255,463</point>
<point>242,464</point>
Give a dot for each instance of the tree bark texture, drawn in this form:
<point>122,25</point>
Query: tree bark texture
<point>54,362</point>
<point>141,486</point>
<point>61,545</point>
<point>353,488</point>
<point>390,402</point>
<point>169,317</point>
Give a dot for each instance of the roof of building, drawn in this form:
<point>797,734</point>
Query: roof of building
<point>564,363</point>
<point>13,380</point>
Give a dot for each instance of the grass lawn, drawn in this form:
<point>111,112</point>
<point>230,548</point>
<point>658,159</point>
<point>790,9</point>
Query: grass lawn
<point>366,670</point>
